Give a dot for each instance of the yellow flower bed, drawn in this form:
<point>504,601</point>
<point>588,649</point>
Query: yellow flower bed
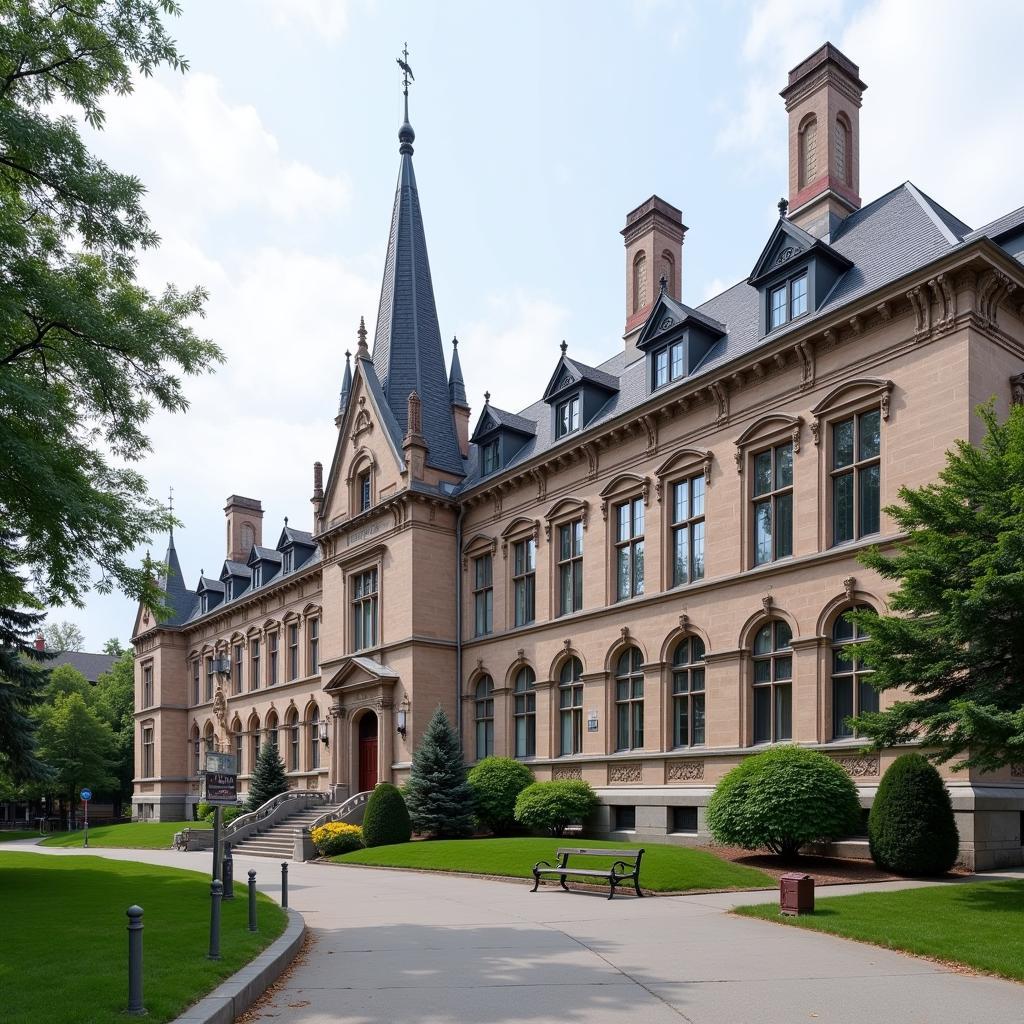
<point>337,837</point>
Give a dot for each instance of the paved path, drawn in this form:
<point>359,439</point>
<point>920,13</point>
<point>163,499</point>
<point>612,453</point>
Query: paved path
<point>395,947</point>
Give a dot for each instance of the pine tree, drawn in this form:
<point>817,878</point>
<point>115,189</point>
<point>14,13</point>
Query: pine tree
<point>438,796</point>
<point>268,777</point>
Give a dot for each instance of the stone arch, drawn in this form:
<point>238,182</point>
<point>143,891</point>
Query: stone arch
<point>615,651</point>
<point>561,658</point>
<point>758,619</point>
<point>807,141</point>
<point>673,637</point>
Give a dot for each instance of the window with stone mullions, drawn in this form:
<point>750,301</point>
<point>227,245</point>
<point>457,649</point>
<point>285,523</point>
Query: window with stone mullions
<point>856,481</point>
<point>629,549</point>
<point>688,693</point>
<point>773,504</point>
<point>524,559</point>
<point>524,713</point>
<point>629,701</point>
<point>773,683</point>
<point>364,610</point>
<point>483,595</point>
<point>668,364</point>
<point>688,531</point>
<point>570,567</point>
<point>852,692</point>
<point>570,705</point>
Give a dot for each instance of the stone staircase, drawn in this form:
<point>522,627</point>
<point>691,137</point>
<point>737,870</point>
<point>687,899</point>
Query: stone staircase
<point>278,841</point>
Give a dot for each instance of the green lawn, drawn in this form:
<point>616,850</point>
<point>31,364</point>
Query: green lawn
<point>663,869</point>
<point>980,924</point>
<point>136,835</point>
<point>9,837</point>
<point>63,944</point>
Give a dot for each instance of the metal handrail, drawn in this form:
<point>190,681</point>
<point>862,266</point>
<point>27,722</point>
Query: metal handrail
<point>339,812</point>
<point>264,811</point>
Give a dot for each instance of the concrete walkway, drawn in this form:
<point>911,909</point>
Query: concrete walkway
<point>394,947</point>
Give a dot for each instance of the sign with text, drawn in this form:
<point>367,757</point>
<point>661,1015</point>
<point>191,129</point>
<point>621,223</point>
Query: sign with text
<point>220,788</point>
<point>220,762</point>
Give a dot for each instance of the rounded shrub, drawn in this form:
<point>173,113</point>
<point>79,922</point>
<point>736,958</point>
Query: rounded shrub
<point>337,837</point>
<point>496,783</point>
<point>782,799</point>
<point>386,820</point>
<point>552,806</point>
<point>911,828</point>
<point>227,813</point>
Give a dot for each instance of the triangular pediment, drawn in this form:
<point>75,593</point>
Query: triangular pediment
<point>358,671</point>
<point>786,245</point>
<point>566,376</point>
<point>487,423</point>
<point>668,316</point>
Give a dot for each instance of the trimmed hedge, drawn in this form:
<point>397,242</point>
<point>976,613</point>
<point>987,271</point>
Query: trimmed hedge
<point>783,799</point>
<point>552,806</point>
<point>496,783</point>
<point>337,837</point>
<point>911,828</point>
<point>386,819</point>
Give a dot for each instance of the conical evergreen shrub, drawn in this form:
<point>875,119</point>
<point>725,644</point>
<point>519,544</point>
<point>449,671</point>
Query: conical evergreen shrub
<point>268,777</point>
<point>386,819</point>
<point>438,796</point>
<point>911,828</point>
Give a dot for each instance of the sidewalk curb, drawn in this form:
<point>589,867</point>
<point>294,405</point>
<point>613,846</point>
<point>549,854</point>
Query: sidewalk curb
<point>234,996</point>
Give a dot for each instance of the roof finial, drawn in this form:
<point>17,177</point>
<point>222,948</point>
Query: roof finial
<point>286,521</point>
<point>406,136</point>
<point>170,508</point>
<point>362,352</point>
<point>783,207</point>
<point>564,346</point>
<point>487,398</point>
<point>455,341</point>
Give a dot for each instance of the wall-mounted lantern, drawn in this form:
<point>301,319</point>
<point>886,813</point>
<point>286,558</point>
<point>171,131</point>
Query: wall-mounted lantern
<point>323,733</point>
<point>403,717</point>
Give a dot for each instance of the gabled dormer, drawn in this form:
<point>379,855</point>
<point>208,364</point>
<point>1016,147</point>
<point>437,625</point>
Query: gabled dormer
<point>677,339</point>
<point>794,275</point>
<point>210,593</point>
<point>500,436</point>
<point>265,564</point>
<point>236,577</point>
<point>296,548</point>
<point>576,393</point>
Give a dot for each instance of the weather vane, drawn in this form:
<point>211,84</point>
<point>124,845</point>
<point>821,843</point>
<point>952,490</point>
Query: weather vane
<point>403,63</point>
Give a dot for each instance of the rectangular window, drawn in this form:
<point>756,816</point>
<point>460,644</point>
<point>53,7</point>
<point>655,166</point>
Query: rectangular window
<point>257,577</point>
<point>525,719</point>
<point>364,610</point>
<point>489,457</point>
<point>293,651</point>
<point>148,761</point>
<point>147,686</point>
<point>625,819</point>
<point>272,645</point>
<point>684,819</point>
<point>314,646</point>
<point>567,416</point>
<point>254,664</point>
<point>209,679</point>
<point>570,567</point>
<point>483,596</point>
<point>856,481</point>
<point>661,368</point>
<point>777,307</point>
<point>195,682</point>
<point>773,504</point>
<point>293,746</point>
<point>798,297</point>
<point>669,364</point>
<point>524,581</point>
<point>287,560</point>
<point>364,492</point>
<point>688,531</point>
<point>236,667</point>
<point>629,549</point>
<point>238,752</point>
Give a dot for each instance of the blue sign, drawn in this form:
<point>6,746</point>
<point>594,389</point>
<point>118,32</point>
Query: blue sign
<point>86,795</point>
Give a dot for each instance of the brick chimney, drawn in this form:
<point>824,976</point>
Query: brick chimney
<point>823,100</point>
<point>653,237</point>
<point>40,643</point>
<point>244,526</point>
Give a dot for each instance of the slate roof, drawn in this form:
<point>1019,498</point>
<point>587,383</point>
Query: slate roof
<point>236,568</point>
<point>894,235</point>
<point>92,666</point>
<point>292,536</point>
<point>510,420</point>
<point>1000,226</point>
<point>179,598</point>
<point>266,554</point>
<point>407,353</point>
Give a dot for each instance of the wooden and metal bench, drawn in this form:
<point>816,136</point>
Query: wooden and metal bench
<point>625,868</point>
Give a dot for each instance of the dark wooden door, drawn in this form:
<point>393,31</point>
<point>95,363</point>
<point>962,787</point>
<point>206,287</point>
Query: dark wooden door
<point>367,752</point>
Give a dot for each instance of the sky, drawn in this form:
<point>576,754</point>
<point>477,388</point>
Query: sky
<point>271,168</point>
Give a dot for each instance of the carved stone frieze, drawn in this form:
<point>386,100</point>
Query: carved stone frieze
<point>1017,771</point>
<point>858,765</point>
<point>566,772</point>
<point>624,773</point>
<point>684,771</point>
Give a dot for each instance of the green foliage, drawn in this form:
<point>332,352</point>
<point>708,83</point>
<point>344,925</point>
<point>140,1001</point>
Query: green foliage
<point>268,777</point>
<point>77,745</point>
<point>114,699</point>
<point>206,812</point>
<point>86,353</point>
<point>337,837</point>
<point>782,799</point>
<point>113,647</point>
<point>63,636</point>
<point>956,642</point>
<point>496,783</point>
<point>553,806</point>
<point>65,679</point>
<point>438,796</point>
<point>911,828</point>
<point>386,819</point>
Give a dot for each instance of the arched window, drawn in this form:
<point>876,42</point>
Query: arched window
<point>688,692</point>
<point>292,723</point>
<point>314,738</point>
<point>667,270</point>
<point>209,740</point>
<point>254,740</point>
<point>570,705</point>
<point>272,729</point>
<point>484,703</point>
<point>236,737</point>
<point>852,692</point>
<point>525,713</point>
<point>773,683</point>
<point>248,538</point>
<point>808,151</point>
<point>841,146</point>
<point>629,700</point>
<point>197,762</point>
<point>639,281</point>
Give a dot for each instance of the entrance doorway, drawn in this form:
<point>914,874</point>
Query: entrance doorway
<point>367,751</point>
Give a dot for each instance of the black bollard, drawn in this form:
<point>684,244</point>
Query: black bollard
<point>252,901</point>
<point>284,883</point>
<point>228,873</point>
<point>135,1007</point>
<point>216,894</point>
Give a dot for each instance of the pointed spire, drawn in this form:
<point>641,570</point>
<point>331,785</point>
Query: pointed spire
<point>346,384</point>
<point>362,351</point>
<point>170,512</point>
<point>456,386</point>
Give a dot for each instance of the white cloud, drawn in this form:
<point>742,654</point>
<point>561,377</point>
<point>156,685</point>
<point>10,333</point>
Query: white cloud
<point>328,18</point>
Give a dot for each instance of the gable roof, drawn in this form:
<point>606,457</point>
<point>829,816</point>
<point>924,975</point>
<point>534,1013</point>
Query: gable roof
<point>787,242</point>
<point>668,313</point>
<point>493,418</point>
<point>570,372</point>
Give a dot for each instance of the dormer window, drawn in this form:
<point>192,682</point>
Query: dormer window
<point>257,576</point>
<point>787,301</point>
<point>287,560</point>
<point>490,457</point>
<point>567,416</point>
<point>669,364</point>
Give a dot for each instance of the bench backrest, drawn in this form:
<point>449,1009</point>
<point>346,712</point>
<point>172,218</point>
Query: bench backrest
<point>582,851</point>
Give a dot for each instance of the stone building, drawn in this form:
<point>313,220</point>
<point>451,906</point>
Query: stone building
<point>640,578</point>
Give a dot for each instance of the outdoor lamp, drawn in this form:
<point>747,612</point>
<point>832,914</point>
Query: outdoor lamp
<point>403,717</point>
<point>323,732</point>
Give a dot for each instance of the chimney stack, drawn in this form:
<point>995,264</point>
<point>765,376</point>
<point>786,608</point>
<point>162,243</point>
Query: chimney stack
<point>823,101</point>
<point>244,526</point>
<point>40,644</point>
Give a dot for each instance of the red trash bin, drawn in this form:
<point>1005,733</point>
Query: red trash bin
<point>796,894</point>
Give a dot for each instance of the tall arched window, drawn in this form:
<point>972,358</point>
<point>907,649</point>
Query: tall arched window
<point>484,705</point>
<point>236,737</point>
<point>314,738</point>
<point>272,729</point>
<point>209,740</point>
<point>688,692</point>
<point>570,707</point>
<point>808,151</point>
<point>639,281</point>
<point>841,146</point>
<point>629,700</point>
<point>254,740</point>
<point>852,692</point>
<point>525,713</point>
<point>197,762</point>
<point>248,538</point>
<point>292,723</point>
<point>773,683</point>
